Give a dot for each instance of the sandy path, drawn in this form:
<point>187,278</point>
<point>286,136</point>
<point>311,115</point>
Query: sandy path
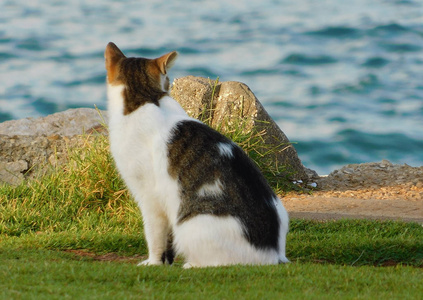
<point>372,191</point>
<point>332,208</point>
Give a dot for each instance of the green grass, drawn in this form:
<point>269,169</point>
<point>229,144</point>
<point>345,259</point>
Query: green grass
<point>42,274</point>
<point>84,205</point>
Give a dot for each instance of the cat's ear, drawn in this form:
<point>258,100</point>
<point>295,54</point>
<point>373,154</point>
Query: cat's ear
<point>166,61</point>
<point>112,56</point>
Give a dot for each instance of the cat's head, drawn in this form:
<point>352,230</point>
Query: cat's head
<point>143,80</point>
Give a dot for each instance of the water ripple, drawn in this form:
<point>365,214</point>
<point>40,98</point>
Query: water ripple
<point>375,62</point>
<point>302,59</point>
<point>401,47</point>
<point>336,32</point>
<point>364,85</point>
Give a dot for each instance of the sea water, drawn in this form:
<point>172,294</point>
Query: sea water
<point>343,79</point>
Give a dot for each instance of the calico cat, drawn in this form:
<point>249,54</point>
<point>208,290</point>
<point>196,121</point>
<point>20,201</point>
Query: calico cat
<point>199,194</point>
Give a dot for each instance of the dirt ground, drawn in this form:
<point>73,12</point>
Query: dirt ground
<point>371,191</point>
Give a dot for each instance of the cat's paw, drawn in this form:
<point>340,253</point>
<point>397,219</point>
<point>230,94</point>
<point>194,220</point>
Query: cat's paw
<point>189,266</point>
<point>283,260</point>
<point>150,262</point>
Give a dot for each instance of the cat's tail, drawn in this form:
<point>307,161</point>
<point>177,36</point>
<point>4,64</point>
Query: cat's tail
<point>168,255</point>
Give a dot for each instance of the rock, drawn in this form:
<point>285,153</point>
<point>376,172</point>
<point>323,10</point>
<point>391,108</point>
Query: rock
<point>67,123</point>
<point>28,145</point>
<point>371,175</point>
<point>25,156</point>
<point>194,94</point>
<point>228,102</point>
<point>13,172</point>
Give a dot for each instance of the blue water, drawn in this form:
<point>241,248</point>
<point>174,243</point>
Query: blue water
<point>343,79</point>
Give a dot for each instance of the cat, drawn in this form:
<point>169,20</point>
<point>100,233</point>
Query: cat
<point>200,195</point>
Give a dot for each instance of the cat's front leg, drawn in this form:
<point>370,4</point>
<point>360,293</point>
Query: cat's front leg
<point>167,256</point>
<point>156,230</point>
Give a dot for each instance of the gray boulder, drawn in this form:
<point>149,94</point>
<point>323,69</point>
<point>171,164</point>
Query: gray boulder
<point>67,123</point>
<point>28,145</point>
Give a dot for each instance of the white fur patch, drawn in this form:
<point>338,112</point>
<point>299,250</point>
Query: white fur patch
<point>208,240</point>
<point>115,98</point>
<point>214,189</point>
<point>225,149</point>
